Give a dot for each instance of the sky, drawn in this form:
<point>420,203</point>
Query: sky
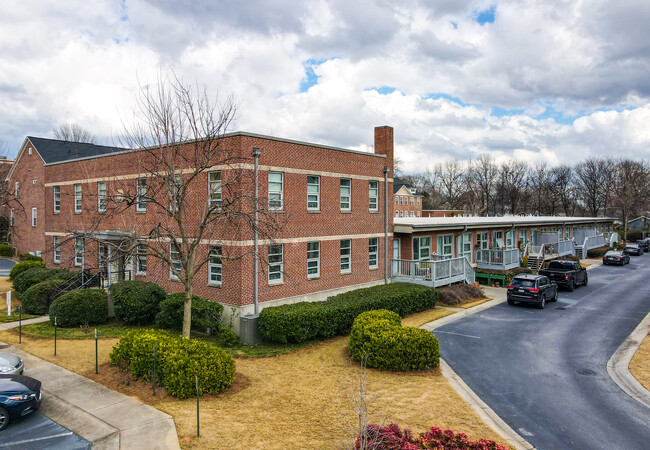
<point>555,81</point>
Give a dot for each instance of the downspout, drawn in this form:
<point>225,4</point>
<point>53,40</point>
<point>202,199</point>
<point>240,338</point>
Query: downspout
<point>256,155</point>
<point>385,225</point>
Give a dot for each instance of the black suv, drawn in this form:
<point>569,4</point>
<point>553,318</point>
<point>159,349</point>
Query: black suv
<point>643,243</point>
<point>535,289</point>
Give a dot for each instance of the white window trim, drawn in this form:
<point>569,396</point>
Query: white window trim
<point>280,193</point>
<point>174,261</point>
<point>373,198</point>
<point>141,192</point>
<point>12,217</point>
<point>465,240</point>
<point>446,245</point>
<point>79,250</point>
<point>347,259</point>
<point>348,195</point>
<point>77,199</point>
<point>56,250</point>
<point>375,253</point>
<point>215,189</point>
<point>57,199</point>
<point>101,196</point>
<point>421,239</point>
<point>313,194</point>
<point>34,217</point>
<point>17,189</point>
<point>279,264</point>
<point>315,258</point>
<point>483,240</point>
<point>216,266</point>
<point>138,256</point>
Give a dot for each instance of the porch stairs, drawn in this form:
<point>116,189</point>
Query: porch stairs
<point>535,262</point>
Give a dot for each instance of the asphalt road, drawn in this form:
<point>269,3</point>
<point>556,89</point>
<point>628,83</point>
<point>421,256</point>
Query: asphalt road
<point>544,371</point>
<point>36,431</point>
<point>5,266</point>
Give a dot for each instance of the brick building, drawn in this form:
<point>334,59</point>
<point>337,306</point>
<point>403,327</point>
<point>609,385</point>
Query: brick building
<point>408,201</point>
<point>331,203</point>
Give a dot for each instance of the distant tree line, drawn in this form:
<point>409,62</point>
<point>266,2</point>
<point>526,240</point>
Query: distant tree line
<point>594,187</point>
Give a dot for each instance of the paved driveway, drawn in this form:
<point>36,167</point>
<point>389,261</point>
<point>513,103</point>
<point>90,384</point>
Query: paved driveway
<point>544,371</point>
<point>36,431</point>
<point>5,266</point>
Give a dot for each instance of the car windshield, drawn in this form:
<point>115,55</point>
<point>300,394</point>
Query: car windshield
<point>631,246</point>
<point>560,265</point>
<point>611,254</point>
<point>516,282</point>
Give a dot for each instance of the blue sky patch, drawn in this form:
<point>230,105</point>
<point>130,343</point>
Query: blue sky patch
<point>485,16</point>
<point>456,100</point>
<point>497,111</point>
<point>383,90</point>
<point>310,79</point>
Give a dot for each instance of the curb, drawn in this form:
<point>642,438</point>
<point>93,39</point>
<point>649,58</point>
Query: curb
<point>618,366</point>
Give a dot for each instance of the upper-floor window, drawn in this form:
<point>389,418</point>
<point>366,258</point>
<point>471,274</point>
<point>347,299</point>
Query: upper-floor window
<point>346,190</point>
<point>346,253</point>
<point>78,251</point>
<point>373,251</point>
<point>313,192</point>
<point>57,199</point>
<point>401,200</point>
<point>34,213</point>
<point>141,259</point>
<point>214,266</point>
<point>275,263</point>
<point>313,259</point>
<point>397,199</point>
<point>11,217</point>
<point>17,185</point>
<point>214,188</point>
<point>77,198</point>
<point>419,200</point>
<point>101,196</point>
<point>175,192</point>
<point>57,249</point>
<point>373,195</point>
<point>412,201</point>
<point>175,259</point>
<point>276,190</point>
<point>141,192</point>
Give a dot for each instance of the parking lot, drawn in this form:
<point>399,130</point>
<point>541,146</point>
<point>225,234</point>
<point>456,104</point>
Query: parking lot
<point>36,431</point>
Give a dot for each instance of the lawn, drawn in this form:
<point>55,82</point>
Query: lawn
<point>6,285</point>
<point>640,364</point>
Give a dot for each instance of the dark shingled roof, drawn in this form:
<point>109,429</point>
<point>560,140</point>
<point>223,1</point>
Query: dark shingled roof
<point>54,150</point>
<point>398,183</point>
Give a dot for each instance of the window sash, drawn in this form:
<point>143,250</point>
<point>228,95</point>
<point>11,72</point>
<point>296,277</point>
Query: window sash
<point>102,256</point>
<point>77,198</point>
<point>373,194</point>
<point>346,193</point>
<point>373,253</point>
<point>57,249</point>
<point>422,248</point>
<point>141,259</point>
<point>57,199</point>
<point>215,266</point>
<point>175,259</point>
<point>445,245</point>
<point>101,196</point>
<point>313,192</point>
<point>141,192</point>
<point>313,259</point>
<point>78,251</point>
<point>12,217</point>
<point>214,188</point>
<point>275,262</point>
<point>276,190</point>
<point>34,216</point>
<point>346,253</point>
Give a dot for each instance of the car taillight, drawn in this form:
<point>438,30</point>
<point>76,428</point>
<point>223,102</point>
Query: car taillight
<point>618,258</point>
<point>533,290</point>
<point>510,286</point>
<point>566,277</point>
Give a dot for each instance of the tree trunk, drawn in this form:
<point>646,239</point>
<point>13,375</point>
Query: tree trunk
<point>187,311</point>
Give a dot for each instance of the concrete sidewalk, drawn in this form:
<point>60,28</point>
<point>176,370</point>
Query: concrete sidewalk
<point>10,325</point>
<point>108,419</point>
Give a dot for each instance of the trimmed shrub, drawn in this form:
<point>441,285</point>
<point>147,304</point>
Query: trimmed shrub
<point>81,307</point>
<point>379,338</point>
<point>29,257</point>
<point>23,266</point>
<point>598,252</point>
<point>507,273</point>
<point>179,361</point>
<point>227,337</point>
<point>206,314</point>
<point>6,250</point>
<point>571,258</point>
<point>29,278</point>
<point>36,299</point>
<point>137,302</point>
<point>300,322</point>
<point>634,235</point>
<point>459,293</point>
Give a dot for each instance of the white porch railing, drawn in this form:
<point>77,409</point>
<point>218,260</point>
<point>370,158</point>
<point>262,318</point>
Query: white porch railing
<point>554,250</point>
<point>433,273</point>
<point>593,242</point>
<point>498,259</point>
<point>566,248</point>
<point>612,238</point>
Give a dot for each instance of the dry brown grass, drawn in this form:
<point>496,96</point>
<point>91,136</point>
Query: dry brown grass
<point>640,364</point>
<point>289,401</point>
<point>473,303</point>
<point>5,284</point>
<point>419,319</point>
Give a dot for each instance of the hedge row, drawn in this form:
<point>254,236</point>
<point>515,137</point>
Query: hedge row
<point>36,299</point>
<point>179,361</point>
<point>38,274</point>
<point>507,273</point>
<point>300,322</point>
<point>81,307</point>
<point>23,266</point>
<point>6,250</point>
<point>378,339</point>
<point>136,302</point>
<point>598,252</point>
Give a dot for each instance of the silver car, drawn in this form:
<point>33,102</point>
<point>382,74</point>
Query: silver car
<point>10,364</point>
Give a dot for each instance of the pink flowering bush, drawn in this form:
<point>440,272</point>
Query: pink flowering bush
<point>392,438</point>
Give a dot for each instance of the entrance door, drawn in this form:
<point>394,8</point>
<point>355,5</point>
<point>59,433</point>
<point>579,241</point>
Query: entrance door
<point>397,248</point>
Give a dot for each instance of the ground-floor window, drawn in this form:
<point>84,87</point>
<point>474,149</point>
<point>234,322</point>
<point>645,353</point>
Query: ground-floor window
<point>510,239</point>
<point>175,258</point>
<point>482,240</point>
<point>346,251</point>
<point>102,257</point>
<point>422,248</point>
<point>373,251</point>
<point>57,249</point>
<point>497,240</point>
<point>313,259</point>
<point>465,246</point>
<point>276,263</point>
<point>214,266</point>
<point>445,246</point>
<point>141,259</point>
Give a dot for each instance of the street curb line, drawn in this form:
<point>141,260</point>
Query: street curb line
<point>485,413</point>
<point>618,366</point>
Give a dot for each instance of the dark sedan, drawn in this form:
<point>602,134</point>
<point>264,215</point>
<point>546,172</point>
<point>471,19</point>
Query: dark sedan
<point>615,257</point>
<point>643,243</point>
<point>633,249</point>
<point>534,289</point>
<point>19,396</point>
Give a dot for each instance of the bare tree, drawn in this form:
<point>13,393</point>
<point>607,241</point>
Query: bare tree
<point>73,133</point>
<point>564,189</point>
<point>590,174</point>
<point>630,189</point>
<point>511,185</point>
<point>450,178</point>
<point>483,175</point>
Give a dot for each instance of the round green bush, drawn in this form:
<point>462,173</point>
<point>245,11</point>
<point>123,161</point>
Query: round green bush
<point>81,307</point>
<point>29,278</point>
<point>23,266</point>
<point>29,257</point>
<point>206,314</point>
<point>137,302</point>
<point>6,250</point>
<point>36,299</point>
<point>228,338</point>
<point>134,351</point>
<point>384,344</point>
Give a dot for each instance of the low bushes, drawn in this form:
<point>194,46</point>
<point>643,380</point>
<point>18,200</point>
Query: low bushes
<point>300,322</point>
<point>29,257</point>
<point>179,361</point>
<point>30,277</point>
<point>82,307</point>
<point>206,314</point>
<point>23,266</point>
<point>459,293</point>
<point>571,258</point>
<point>6,250</point>
<point>379,339</point>
<point>598,252</point>
<point>36,299</point>
<point>391,437</point>
<point>137,302</point>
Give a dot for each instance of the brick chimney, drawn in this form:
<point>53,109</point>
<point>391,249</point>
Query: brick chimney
<point>384,145</point>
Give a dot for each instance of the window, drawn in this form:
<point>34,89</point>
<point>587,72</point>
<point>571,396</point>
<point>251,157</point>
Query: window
<point>275,263</point>
<point>523,237</point>
<point>373,251</point>
<point>445,246</point>
<point>396,213</point>
<point>510,239</point>
<point>411,213</point>
<point>57,249</point>
<point>175,258</point>
<point>34,213</point>
<point>346,189</point>
<point>497,239</point>
<point>175,192</point>
<point>397,200</point>
<point>465,246</point>
<point>214,189</point>
<point>141,192</point>
<point>401,213</point>
<point>482,240</point>
<point>373,193</point>
<point>419,213</point>
<point>78,251</point>
<point>57,199</point>
<point>401,200</point>
<point>276,190</point>
<point>102,257</point>
<point>419,200</point>
<point>346,250</point>
<point>77,198</point>
<point>214,266</point>
<point>141,259</point>
<point>412,201</point>
<point>16,189</point>
<point>313,193</point>
<point>101,196</point>
<point>11,217</point>
<point>313,259</point>
<point>422,248</point>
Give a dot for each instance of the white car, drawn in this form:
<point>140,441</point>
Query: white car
<point>10,364</point>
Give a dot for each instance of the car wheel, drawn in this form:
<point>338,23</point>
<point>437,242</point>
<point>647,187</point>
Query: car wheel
<point>586,280</point>
<point>555,296</point>
<point>4,418</point>
<point>511,302</point>
<point>571,286</point>
<point>542,303</point>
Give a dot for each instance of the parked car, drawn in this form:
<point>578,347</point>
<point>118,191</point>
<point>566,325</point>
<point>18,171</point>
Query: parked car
<point>643,243</point>
<point>616,257</point>
<point>11,364</point>
<point>529,288</point>
<point>568,274</point>
<point>19,396</point>
<point>633,249</point>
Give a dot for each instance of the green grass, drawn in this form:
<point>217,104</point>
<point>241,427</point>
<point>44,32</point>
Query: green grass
<point>4,318</point>
<point>112,329</point>
<point>262,350</point>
